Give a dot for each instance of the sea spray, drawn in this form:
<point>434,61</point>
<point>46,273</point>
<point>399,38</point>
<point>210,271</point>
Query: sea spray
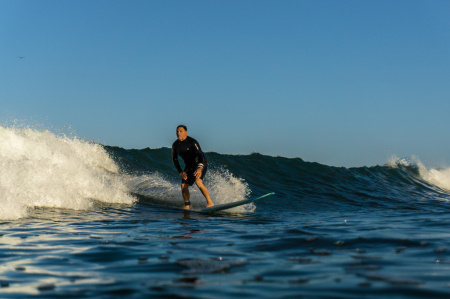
<point>226,188</point>
<point>41,169</point>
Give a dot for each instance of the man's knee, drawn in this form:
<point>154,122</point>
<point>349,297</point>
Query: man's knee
<point>199,183</point>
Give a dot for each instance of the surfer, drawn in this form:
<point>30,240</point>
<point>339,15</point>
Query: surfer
<point>195,165</point>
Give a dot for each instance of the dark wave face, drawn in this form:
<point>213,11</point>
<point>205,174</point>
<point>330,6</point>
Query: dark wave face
<point>301,185</point>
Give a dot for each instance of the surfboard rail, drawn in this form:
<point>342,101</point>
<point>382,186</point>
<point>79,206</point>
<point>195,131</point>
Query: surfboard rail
<point>230,205</point>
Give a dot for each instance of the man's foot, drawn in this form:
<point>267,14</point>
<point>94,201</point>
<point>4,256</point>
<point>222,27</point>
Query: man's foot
<point>188,207</point>
<point>210,205</point>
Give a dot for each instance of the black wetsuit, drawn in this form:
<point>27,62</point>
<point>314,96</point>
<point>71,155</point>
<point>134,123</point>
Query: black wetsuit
<point>193,158</point>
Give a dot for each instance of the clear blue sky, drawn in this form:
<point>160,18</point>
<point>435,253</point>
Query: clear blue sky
<point>344,83</point>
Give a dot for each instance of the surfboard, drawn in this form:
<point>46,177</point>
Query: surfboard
<point>217,208</point>
<point>230,205</point>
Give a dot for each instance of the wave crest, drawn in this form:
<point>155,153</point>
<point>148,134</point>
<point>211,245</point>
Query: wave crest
<point>438,177</point>
<point>41,169</point>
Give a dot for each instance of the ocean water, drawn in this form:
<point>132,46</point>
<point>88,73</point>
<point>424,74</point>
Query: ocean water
<point>81,219</point>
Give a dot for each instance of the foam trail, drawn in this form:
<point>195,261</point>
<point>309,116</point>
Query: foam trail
<point>222,186</point>
<point>41,169</point>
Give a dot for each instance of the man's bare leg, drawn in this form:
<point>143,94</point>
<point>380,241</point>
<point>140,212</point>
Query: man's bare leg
<point>205,192</point>
<point>186,195</point>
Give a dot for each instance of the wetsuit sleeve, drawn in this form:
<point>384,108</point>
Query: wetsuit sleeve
<point>199,154</point>
<point>175,159</point>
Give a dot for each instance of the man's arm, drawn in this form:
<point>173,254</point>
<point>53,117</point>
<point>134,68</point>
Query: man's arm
<point>200,159</point>
<point>199,154</point>
<point>175,160</point>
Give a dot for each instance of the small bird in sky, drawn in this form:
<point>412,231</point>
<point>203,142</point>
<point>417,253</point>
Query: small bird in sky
<point>20,57</point>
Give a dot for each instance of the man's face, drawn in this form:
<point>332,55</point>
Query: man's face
<point>181,133</point>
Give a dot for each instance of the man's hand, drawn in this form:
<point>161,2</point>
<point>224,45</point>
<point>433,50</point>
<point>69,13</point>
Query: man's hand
<point>183,175</point>
<point>198,173</point>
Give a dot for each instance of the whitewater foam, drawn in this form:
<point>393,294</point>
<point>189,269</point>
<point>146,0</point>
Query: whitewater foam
<point>222,185</point>
<point>41,169</point>
<point>437,177</point>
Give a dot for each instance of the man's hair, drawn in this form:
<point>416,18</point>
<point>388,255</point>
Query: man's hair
<point>182,126</point>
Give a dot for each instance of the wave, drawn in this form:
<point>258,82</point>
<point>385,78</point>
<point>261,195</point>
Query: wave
<point>43,169</point>
<point>300,185</point>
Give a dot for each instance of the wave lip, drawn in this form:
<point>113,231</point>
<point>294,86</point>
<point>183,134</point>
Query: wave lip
<point>439,177</point>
